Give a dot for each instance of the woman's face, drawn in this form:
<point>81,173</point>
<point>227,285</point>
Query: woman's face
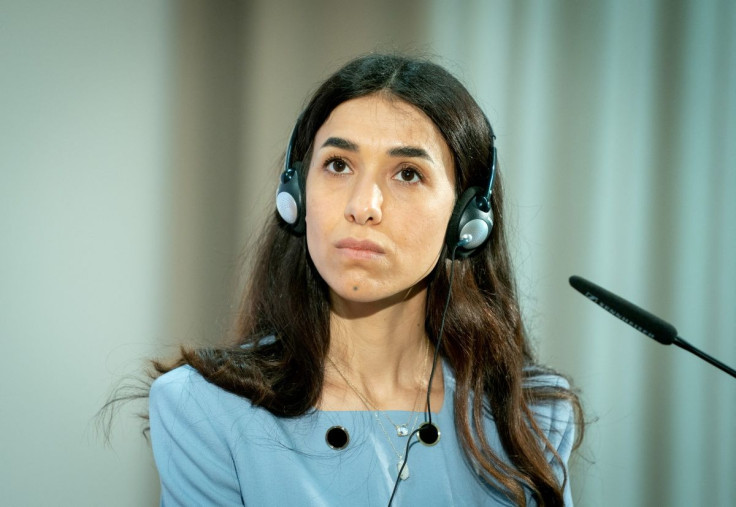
<point>380,191</point>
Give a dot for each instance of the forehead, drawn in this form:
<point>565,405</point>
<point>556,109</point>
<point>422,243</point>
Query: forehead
<point>384,121</point>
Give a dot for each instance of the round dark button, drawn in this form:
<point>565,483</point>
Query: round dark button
<point>337,438</point>
<point>429,434</point>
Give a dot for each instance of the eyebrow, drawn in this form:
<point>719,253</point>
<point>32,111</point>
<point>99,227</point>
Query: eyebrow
<point>409,151</point>
<point>401,151</point>
<point>339,142</point>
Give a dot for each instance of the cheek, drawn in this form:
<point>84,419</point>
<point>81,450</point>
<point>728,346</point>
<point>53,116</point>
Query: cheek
<point>423,229</point>
<point>315,228</point>
<point>314,204</point>
<point>320,221</point>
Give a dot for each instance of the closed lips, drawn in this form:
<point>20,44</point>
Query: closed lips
<point>364,245</point>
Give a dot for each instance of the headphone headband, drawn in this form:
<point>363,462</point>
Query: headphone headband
<point>292,142</point>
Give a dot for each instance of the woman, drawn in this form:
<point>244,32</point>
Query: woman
<point>322,398</point>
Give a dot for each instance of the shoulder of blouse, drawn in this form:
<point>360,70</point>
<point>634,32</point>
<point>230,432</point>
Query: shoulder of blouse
<point>191,435</point>
<point>183,391</point>
<point>556,417</point>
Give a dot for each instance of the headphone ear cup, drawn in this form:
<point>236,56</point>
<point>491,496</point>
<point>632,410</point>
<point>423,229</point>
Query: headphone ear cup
<point>290,200</point>
<point>468,219</point>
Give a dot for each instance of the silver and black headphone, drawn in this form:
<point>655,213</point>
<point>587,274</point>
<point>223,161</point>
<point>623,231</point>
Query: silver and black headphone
<point>472,219</point>
<point>469,227</point>
<point>290,200</point>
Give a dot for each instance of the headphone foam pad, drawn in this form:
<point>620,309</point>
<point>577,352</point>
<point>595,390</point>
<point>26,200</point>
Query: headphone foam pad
<point>468,218</point>
<point>290,200</point>
<point>478,230</point>
<point>287,207</point>
<point>453,227</point>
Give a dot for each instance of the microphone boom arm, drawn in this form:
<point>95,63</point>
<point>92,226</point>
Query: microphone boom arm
<point>702,355</point>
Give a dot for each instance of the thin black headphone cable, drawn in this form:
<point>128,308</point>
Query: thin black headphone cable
<point>442,328</point>
<point>462,242</point>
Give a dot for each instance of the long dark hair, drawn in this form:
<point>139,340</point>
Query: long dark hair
<point>484,339</point>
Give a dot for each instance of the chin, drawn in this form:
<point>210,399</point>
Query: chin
<point>368,293</point>
<point>357,293</point>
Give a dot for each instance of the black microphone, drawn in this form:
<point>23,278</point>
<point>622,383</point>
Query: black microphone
<point>640,319</point>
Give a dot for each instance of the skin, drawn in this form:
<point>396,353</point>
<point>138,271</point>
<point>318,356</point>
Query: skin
<point>380,191</point>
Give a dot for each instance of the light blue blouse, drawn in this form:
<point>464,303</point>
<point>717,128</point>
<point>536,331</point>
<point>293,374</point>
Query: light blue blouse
<point>214,448</point>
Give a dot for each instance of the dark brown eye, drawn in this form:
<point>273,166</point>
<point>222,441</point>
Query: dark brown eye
<point>336,165</point>
<point>409,175</point>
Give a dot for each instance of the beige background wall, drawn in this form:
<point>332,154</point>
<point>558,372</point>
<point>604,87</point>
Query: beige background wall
<point>139,147</point>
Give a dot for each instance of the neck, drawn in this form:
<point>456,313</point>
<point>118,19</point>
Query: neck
<point>383,351</point>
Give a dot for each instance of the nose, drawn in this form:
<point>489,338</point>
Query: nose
<point>365,202</point>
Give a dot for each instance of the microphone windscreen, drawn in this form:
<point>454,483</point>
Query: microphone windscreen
<point>638,318</point>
